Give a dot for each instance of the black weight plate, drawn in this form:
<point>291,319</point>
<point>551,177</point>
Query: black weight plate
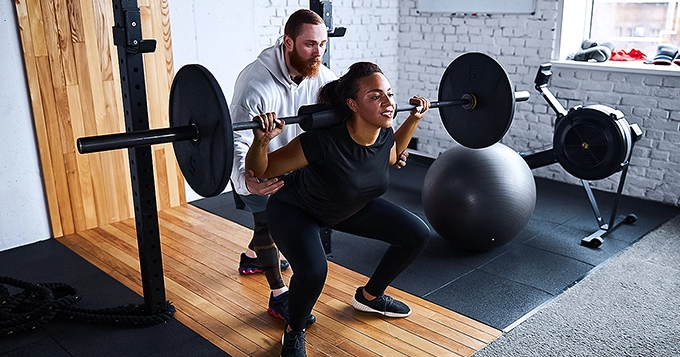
<point>197,99</point>
<point>482,76</point>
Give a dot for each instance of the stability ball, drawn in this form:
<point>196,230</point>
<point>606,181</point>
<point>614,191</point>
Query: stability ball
<point>479,199</point>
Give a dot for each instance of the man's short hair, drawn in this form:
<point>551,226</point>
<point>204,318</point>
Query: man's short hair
<point>300,17</point>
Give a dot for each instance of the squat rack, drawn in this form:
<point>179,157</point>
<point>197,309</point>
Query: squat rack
<point>127,37</point>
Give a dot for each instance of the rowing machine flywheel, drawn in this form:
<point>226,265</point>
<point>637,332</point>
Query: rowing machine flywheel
<point>593,142</point>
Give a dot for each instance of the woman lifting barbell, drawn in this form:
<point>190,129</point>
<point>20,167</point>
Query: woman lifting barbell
<point>336,177</point>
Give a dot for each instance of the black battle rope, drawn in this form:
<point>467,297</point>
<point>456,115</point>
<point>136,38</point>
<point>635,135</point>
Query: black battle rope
<point>37,304</point>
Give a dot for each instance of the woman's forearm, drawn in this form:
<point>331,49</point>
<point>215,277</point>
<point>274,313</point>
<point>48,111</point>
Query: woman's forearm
<point>405,132</point>
<point>257,158</point>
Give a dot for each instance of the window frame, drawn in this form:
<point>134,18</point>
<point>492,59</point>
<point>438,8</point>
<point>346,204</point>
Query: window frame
<point>577,12</point>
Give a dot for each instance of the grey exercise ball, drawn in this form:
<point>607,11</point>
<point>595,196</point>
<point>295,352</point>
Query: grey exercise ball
<point>479,199</point>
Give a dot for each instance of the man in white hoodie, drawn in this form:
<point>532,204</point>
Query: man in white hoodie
<point>283,78</point>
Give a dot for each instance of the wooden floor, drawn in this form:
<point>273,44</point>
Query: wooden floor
<point>200,257</point>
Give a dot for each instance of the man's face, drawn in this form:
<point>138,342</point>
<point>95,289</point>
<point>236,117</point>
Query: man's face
<point>306,50</point>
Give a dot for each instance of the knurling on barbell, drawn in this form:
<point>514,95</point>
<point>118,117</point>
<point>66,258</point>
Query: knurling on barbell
<point>201,129</point>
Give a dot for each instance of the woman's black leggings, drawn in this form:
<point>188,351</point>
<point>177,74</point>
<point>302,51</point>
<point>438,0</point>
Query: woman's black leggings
<point>297,234</point>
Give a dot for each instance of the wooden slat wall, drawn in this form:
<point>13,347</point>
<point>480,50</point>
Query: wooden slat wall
<point>200,257</point>
<point>74,83</point>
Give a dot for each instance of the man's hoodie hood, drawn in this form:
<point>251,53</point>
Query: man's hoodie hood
<point>272,58</point>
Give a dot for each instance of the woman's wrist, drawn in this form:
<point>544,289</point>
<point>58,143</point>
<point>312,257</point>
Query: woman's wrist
<point>261,142</point>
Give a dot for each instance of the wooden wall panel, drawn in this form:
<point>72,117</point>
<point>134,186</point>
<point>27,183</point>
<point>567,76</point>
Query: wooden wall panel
<point>74,82</point>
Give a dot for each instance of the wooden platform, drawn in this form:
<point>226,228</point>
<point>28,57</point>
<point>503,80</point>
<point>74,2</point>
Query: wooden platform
<point>200,257</point>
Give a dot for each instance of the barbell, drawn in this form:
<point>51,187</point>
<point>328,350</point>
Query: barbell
<point>476,104</point>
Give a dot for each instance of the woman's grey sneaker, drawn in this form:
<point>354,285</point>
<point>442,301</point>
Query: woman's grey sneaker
<point>293,344</point>
<point>383,304</point>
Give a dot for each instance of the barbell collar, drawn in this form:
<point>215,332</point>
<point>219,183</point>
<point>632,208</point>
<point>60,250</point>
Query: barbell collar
<point>471,101</point>
<point>87,145</point>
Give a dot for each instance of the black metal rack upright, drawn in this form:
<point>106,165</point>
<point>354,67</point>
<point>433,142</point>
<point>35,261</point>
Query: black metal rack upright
<point>127,37</point>
<point>324,8</point>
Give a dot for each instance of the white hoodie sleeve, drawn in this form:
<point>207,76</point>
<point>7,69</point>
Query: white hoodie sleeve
<point>242,141</point>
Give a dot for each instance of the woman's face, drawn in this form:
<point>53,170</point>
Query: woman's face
<point>375,101</point>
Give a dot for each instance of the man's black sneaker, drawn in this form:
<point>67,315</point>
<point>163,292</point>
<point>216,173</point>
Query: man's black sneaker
<point>278,307</point>
<point>249,265</point>
<point>293,344</point>
<point>383,304</point>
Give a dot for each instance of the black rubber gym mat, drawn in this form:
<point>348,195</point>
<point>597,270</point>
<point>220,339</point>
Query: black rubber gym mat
<point>500,286</point>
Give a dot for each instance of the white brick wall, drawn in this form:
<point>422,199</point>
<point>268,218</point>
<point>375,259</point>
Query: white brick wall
<point>414,49</point>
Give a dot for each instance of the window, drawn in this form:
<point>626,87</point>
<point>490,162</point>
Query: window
<point>642,25</point>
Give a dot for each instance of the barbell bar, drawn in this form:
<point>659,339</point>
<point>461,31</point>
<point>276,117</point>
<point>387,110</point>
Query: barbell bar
<point>202,132</point>
<point>311,117</point>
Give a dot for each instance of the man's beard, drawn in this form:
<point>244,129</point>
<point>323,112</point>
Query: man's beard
<point>307,69</point>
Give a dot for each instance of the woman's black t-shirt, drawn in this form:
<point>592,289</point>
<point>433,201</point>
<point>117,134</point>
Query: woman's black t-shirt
<point>342,176</point>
